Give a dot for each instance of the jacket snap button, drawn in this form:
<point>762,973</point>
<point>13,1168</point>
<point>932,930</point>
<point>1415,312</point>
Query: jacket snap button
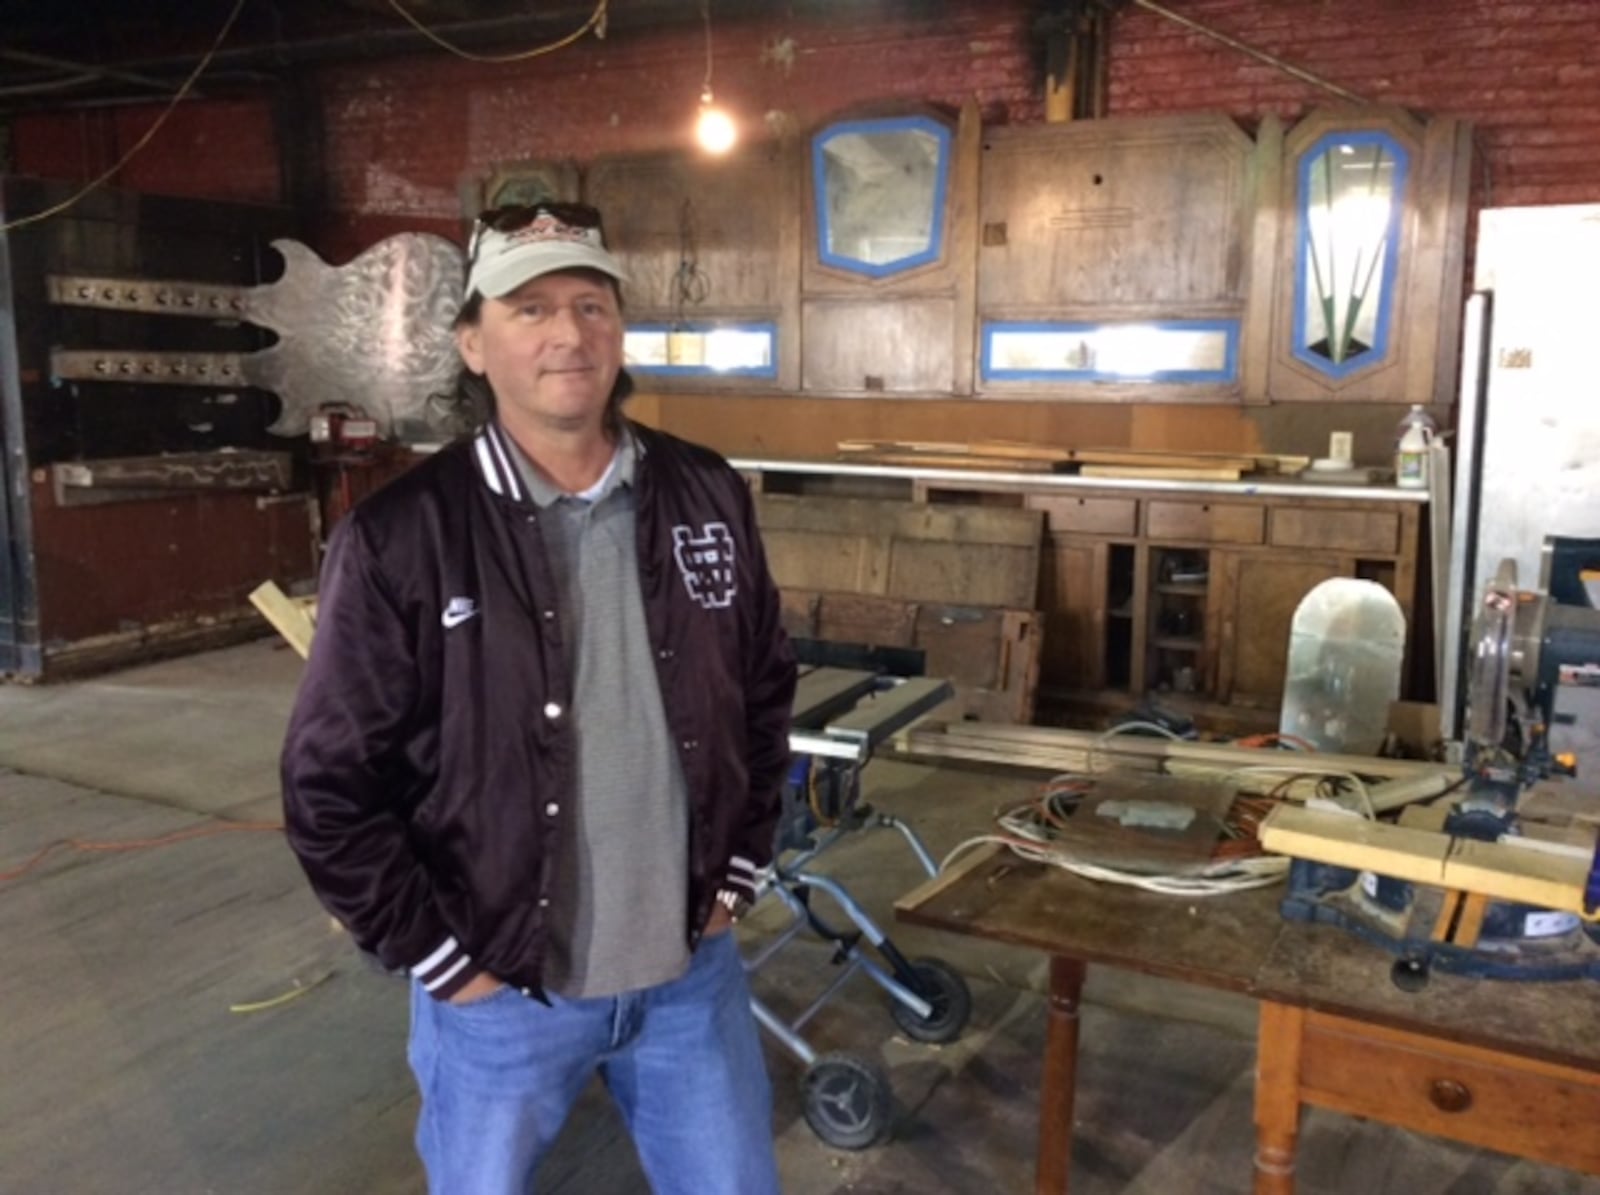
<point>552,710</point>
<point>552,809</point>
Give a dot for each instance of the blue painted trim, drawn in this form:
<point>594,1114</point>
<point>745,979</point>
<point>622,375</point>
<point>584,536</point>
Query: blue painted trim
<point>1228,373</point>
<point>892,124</point>
<point>1380,340</point>
<point>707,371</point>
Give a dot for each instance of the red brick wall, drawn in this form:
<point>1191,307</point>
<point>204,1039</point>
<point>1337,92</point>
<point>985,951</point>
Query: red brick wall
<point>205,150</point>
<point>401,134</point>
<point>1526,73</point>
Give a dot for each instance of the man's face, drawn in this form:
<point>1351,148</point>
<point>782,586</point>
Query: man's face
<point>551,350</point>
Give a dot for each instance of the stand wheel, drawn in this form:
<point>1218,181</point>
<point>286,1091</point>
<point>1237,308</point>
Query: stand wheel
<point>846,1101</point>
<point>943,988</point>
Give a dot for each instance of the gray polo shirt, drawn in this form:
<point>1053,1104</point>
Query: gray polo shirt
<point>619,904</point>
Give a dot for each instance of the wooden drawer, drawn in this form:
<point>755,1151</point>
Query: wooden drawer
<point>1534,1109</point>
<point>1375,531</point>
<point>1095,516</point>
<point>1211,522</point>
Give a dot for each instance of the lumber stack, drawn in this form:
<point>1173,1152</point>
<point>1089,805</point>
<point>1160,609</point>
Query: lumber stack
<point>1013,457</point>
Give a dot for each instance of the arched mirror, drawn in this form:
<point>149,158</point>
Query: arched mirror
<point>1351,196</point>
<point>880,193</point>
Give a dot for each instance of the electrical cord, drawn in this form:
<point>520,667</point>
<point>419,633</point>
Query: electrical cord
<point>1098,745</point>
<point>596,21</point>
<point>1033,831</point>
<point>95,183</point>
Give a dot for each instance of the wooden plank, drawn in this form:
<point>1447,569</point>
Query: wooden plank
<point>999,449</point>
<point>1544,879</point>
<point>1149,458</point>
<point>1499,870</point>
<point>289,618</point>
<point>934,460</point>
<point>1160,473</point>
<point>1069,750</point>
<point>961,252</point>
<point>1263,254</point>
<point>926,891</point>
<point>1345,841</point>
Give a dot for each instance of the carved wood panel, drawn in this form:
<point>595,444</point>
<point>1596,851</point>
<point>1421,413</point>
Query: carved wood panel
<point>895,346</point>
<point>1142,216</point>
<point>1418,362</point>
<point>707,239</point>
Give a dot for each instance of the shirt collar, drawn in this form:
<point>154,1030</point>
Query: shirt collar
<point>620,472</point>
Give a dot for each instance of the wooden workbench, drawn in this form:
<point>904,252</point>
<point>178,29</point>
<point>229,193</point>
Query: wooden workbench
<point>1507,1066</point>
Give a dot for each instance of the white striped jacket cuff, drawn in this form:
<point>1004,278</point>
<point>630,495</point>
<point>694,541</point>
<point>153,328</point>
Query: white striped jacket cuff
<point>445,971</point>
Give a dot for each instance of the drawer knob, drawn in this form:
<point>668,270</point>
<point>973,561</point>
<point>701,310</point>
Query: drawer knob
<point>1449,1096</point>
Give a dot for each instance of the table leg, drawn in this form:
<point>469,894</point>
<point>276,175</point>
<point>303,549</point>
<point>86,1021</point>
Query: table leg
<point>1060,1077</point>
<point>1277,1097</point>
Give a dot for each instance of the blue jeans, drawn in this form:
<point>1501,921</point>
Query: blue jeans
<point>682,1061</point>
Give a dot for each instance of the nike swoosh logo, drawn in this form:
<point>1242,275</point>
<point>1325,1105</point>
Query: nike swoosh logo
<point>454,618</point>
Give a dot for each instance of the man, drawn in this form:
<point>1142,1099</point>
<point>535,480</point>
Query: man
<point>536,756</point>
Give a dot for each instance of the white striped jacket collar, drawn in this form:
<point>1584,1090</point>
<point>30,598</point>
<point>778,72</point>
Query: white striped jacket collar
<point>491,453</point>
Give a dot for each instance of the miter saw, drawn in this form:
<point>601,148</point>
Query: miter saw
<point>1525,645</point>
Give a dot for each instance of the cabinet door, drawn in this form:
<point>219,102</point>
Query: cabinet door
<point>1072,595</point>
<point>1259,596</point>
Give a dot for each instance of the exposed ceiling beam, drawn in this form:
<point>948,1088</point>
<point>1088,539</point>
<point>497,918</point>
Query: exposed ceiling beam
<point>94,70</point>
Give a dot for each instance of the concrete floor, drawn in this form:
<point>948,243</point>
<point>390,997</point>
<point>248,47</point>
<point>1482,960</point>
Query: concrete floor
<point>132,1063</point>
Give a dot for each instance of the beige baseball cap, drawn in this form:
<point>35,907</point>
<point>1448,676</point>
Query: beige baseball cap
<point>511,246</point>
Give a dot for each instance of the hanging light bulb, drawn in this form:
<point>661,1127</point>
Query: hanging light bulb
<point>714,129</point>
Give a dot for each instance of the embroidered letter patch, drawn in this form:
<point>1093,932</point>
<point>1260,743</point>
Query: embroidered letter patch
<point>706,562</point>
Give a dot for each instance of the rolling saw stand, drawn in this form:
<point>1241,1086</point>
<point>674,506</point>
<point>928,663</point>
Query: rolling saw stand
<point>840,716</point>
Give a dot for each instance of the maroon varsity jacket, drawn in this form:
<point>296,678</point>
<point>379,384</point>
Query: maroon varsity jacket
<point>428,757</point>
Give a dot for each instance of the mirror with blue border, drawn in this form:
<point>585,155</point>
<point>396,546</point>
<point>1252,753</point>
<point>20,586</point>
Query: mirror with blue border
<point>880,193</point>
<point>1184,351</point>
<point>702,349</point>
<point>1351,193</point>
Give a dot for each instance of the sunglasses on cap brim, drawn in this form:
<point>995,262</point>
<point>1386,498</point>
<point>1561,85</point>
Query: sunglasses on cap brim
<point>512,216</point>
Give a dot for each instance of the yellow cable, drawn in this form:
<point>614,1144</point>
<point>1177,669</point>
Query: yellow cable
<point>294,993</point>
<point>596,21</point>
<point>143,141</point>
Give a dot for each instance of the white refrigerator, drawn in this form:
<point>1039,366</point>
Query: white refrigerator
<point>1528,446</point>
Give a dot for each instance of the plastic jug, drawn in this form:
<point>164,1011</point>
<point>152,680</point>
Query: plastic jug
<point>1415,433</point>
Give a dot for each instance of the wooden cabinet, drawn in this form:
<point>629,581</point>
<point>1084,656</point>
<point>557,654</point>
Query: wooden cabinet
<point>1257,596</point>
<point>1486,1098</point>
<point>1073,593</point>
<point>1188,598</point>
<point>1184,596</point>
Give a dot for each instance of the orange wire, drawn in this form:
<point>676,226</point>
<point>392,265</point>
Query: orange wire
<point>1267,740</point>
<point>135,844</point>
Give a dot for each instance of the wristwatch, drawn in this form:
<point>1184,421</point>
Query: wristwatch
<point>736,902</point>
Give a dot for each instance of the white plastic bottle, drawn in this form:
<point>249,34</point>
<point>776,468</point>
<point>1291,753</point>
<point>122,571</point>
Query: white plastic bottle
<point>1411,450</point>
